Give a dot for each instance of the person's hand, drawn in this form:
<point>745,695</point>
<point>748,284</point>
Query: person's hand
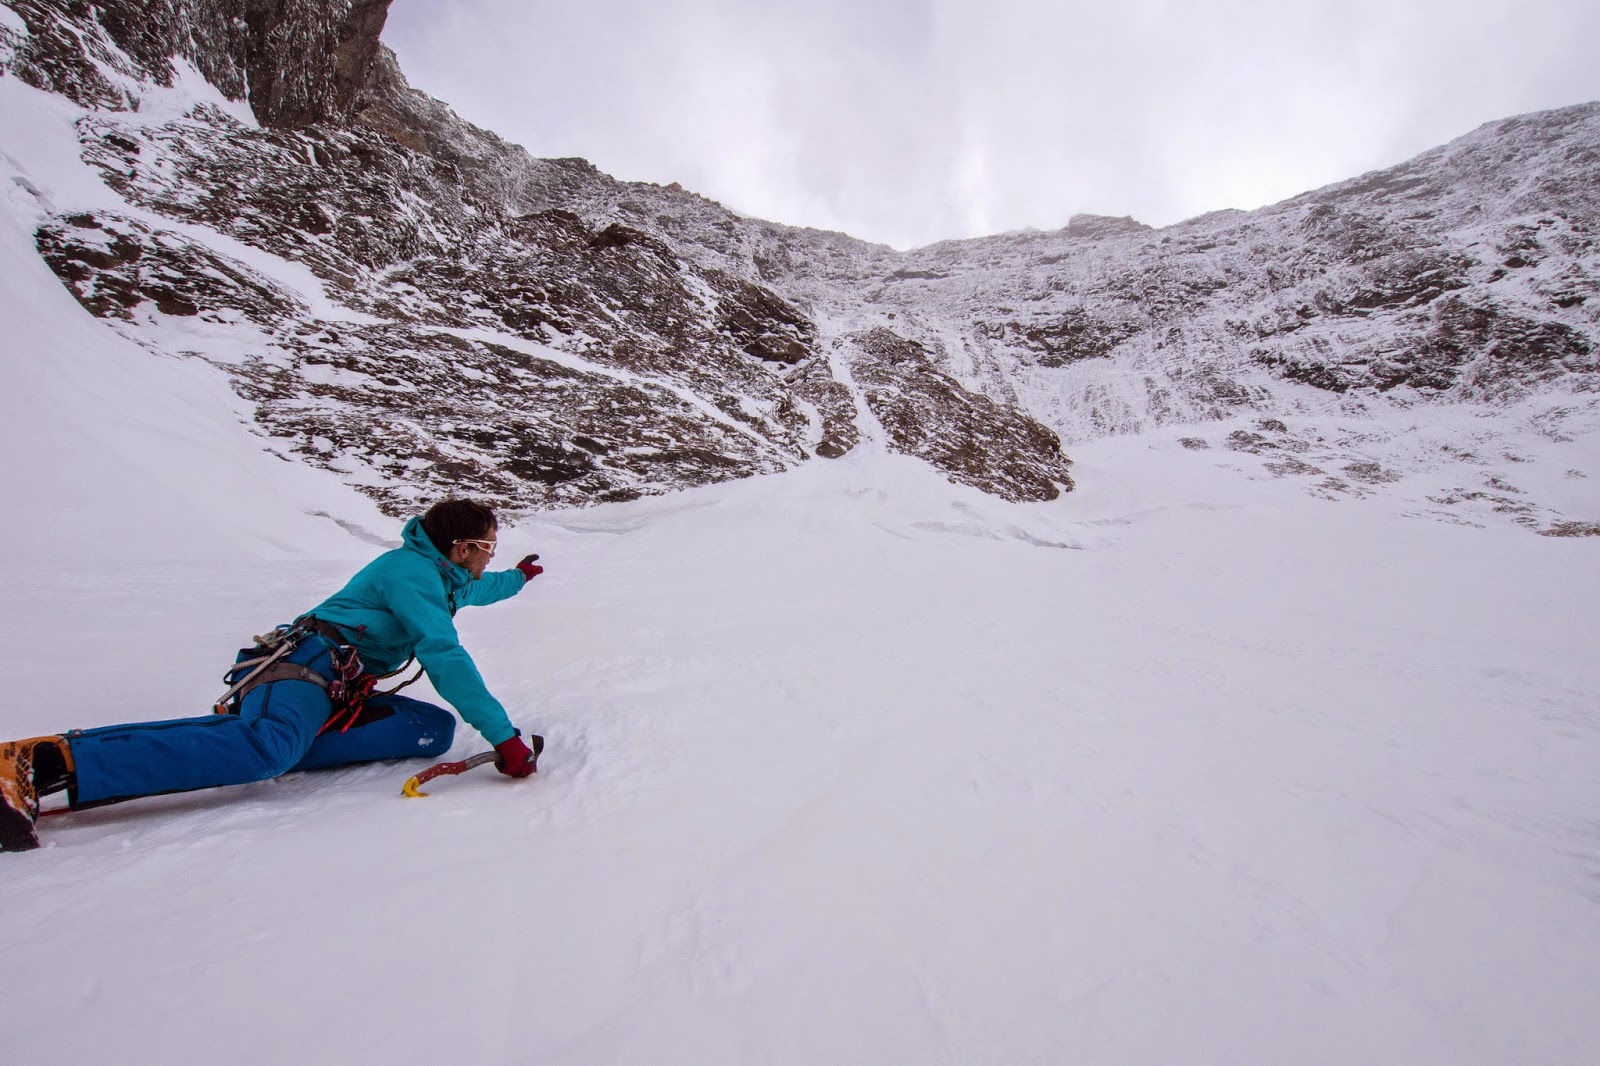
<point>529,571</point>
<point>515,759</point>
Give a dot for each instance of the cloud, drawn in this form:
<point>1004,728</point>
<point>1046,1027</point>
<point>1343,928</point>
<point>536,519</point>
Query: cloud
<point>909,121</point>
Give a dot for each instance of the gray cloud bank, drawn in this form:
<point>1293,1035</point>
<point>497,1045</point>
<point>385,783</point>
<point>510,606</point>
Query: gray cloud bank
<point>910,121</point>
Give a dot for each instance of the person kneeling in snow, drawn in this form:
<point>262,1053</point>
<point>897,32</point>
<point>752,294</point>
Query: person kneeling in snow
<point>314,706</point>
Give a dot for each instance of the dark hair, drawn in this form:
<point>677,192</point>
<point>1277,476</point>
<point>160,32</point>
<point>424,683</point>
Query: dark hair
<point>451,520</point>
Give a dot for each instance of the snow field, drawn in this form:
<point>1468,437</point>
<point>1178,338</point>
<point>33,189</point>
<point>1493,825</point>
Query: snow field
<point>842,768</point>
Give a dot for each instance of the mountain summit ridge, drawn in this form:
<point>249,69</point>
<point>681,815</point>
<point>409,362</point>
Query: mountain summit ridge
<point>549,335</point>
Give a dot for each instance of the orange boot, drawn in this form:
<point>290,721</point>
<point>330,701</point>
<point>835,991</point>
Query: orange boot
<point>29,769</point>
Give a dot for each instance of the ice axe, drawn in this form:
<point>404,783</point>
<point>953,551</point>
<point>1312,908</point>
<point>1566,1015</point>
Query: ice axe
<point>414,783</point>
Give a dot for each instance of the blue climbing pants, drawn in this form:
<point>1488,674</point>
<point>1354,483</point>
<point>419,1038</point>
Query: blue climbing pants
<point>274,732</point>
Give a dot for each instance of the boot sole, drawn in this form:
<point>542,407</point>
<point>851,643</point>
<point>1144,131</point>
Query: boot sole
<point>16,831</point>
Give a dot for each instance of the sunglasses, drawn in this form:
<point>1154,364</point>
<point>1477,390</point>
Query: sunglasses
<point>485,545</point>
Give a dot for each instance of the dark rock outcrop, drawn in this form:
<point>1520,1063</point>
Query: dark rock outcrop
<point>300,62</point>
<point>929,415</point>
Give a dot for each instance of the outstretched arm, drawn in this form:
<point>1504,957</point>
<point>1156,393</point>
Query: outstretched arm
<point>419,604</point>
<point>492,588</point>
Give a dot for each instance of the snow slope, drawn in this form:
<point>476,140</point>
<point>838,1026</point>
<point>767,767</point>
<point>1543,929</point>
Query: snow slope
<point>129,455</point>
<point>848,765</point>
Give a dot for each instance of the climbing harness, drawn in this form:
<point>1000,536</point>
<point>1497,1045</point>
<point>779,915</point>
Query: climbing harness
<point>348,690</point>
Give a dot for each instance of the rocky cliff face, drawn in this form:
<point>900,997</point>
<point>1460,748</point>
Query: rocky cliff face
<point>300,62</point>
<point>534,331</point>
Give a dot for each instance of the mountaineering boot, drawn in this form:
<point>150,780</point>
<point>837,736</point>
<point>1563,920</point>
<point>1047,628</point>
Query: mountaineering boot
<point>29,769</point>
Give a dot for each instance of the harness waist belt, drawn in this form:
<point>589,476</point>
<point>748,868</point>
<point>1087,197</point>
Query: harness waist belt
<point>286,672</point>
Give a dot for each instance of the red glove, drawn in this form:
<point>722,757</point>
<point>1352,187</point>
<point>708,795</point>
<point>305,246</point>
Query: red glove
<point>529,571</point>
<point>515,759</point>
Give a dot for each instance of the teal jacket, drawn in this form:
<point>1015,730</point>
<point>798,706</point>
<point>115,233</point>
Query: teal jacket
<point>403,604</point>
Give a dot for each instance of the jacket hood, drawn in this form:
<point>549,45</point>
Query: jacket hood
<point>416,539</point>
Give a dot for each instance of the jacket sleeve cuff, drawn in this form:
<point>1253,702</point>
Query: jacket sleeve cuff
<point>499,735</point>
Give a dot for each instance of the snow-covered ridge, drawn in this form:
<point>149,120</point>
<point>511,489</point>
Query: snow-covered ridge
<point>721,346</point>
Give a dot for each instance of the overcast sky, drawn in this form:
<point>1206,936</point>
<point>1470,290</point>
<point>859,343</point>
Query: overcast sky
<point>911,121</point>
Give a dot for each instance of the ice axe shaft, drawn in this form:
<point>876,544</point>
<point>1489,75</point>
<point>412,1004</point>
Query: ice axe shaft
<point>413,785</point>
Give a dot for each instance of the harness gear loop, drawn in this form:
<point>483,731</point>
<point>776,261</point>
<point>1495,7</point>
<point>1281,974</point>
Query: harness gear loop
<point>348,690</point>
<point>275,644</point>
